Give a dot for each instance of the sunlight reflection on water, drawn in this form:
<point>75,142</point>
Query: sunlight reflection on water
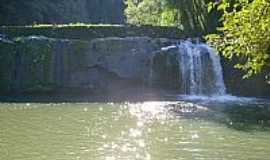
<point>134,140</point>
<point>132,131</point>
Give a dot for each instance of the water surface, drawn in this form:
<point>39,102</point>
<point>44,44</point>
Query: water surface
<point>173,130</point>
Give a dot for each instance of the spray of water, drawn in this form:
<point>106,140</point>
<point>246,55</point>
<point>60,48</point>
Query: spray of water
<point>200,71</point>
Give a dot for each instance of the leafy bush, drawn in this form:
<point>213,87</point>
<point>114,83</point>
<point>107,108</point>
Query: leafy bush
<point>190,16</point>
<point>245,34</point>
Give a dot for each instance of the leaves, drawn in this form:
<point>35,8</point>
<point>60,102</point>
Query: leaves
<point>245,33</point>
<point>188,15</point>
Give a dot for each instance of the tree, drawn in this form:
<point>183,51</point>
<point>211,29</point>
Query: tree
<point>188,15</point>
<point>245,34</point>
<point>145,12</point>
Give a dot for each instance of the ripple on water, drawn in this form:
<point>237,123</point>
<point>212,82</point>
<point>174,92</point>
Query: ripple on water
<point>143,131</point>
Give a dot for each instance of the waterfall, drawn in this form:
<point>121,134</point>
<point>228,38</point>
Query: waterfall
<point>200,71</point>
<point>220,88</point>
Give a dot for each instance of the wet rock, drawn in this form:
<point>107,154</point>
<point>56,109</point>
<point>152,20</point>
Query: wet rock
<point>41,62</point>
<point>127,57</point>
<point>166,68</point>
<point>180,108</point>
<point>38,63</point>
<point>4,39</point>
<point>254,86</point>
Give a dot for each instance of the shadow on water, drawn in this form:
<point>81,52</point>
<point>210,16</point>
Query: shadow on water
<point>243,115</point>
<point>248,116</point>
<point>133,95</point>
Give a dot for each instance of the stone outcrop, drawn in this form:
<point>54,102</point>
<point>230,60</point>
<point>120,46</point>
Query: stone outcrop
<point>44,64</point>
<point>236,85</point>
<point>37,64</point>
<point>89,32</point>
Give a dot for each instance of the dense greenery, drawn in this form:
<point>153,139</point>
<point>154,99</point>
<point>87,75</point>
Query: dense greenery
<point>25,12</point>
<point>245,34</point>
<point>188,15</point>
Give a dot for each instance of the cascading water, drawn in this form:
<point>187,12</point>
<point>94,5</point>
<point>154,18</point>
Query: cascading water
<point>200,71</point>
<point>197,76</point>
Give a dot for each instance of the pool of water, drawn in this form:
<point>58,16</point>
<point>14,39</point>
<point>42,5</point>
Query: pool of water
<point>157,130</point>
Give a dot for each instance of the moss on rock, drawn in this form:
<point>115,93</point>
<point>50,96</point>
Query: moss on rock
<point>79,48</point>
<point>7,54</point>
<point>89,32</point>
<point>33,61</point>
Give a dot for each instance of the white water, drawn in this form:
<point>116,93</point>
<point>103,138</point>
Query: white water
<point>201,74</point>
<point>199,69</point>
<point>219,83</point>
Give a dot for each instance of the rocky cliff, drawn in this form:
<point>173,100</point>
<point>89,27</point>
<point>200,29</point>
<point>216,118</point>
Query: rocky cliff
<point>41,64</point>
<point>98,63</point>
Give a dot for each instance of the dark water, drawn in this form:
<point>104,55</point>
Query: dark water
<point>202,129</point>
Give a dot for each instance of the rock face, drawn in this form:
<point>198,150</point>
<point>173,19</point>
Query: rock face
<point>37,64</point>
<point>165,69</point>
<point>236,85</point>
<point>88,32</point>
<point>45,64</point>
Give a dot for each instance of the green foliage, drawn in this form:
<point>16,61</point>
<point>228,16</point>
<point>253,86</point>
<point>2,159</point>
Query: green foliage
<point>79,48</point>
<point>90,31</point>
<point>245,34</point>
<point>35,74</point>
<point>188,15</point>
<point>36,55</point>
<point>145,12</point>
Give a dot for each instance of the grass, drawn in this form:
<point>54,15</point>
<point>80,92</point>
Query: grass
<point>85,31</point>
